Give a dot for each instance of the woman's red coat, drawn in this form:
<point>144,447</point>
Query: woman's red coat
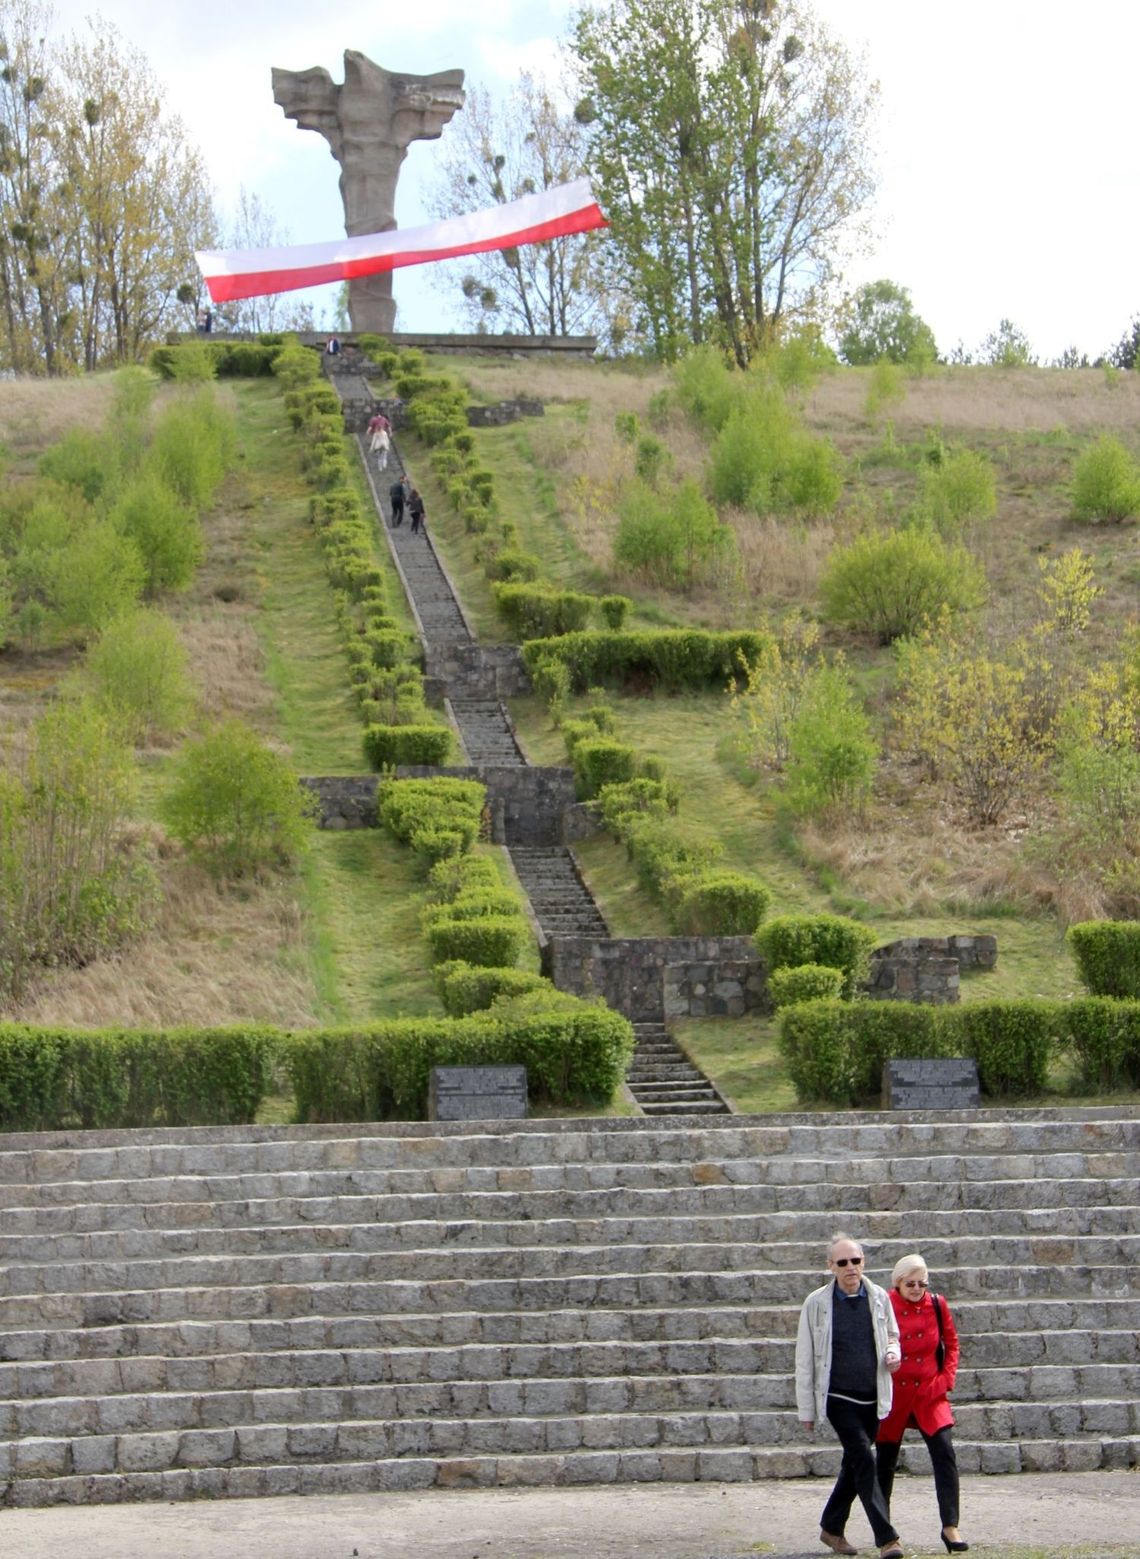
<point>919,1387</point>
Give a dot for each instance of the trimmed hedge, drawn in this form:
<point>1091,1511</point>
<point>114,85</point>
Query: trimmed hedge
<point>599,763</point>
<point>675,658</point>
<point>466,988</point>
<point>386,746</point>
<point>533,611</point>
<point>99,1079</point>
<point>832,940</point>
<point>491,941</point>
<point>835,1050</point>
<point>573,1051</point>
<point>719,902</point>
<point>804,982</point>
<point>1108,956</point>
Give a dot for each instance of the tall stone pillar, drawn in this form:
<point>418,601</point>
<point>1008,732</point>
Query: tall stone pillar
<point>369,123</point>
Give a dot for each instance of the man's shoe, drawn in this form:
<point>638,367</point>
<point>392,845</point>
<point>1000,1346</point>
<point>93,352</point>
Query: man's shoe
<point>838,1545</point>
<point>892,1551</point>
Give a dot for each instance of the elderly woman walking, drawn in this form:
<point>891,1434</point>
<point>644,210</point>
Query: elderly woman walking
<point>929,1366</point>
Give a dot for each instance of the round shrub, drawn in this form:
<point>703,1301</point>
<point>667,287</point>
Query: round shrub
<point>832,940</point>
<point>465,988</point>
<point>804,982</point>
<point>890,583</point>
<point>1106,482</point>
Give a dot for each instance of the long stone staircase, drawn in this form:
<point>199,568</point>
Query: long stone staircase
<point>662,1079</point>
<point>247,1311</point>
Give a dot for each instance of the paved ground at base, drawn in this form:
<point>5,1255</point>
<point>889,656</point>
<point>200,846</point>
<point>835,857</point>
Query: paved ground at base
<point>1026,1517</point>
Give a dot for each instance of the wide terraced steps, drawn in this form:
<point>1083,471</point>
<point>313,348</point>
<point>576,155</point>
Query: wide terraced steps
<point>262,1310</point>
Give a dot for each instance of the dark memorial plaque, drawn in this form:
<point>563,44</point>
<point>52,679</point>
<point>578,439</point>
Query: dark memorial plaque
<point>477,1093</point>
<point>944,1084</point>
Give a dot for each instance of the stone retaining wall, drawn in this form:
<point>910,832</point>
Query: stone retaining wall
<point>477,670</point>
<point>927,969</point>
<point>651,978</point>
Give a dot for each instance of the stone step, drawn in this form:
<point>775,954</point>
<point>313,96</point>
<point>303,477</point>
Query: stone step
<point>698,1214</point>
<point>308,1474</point>
<point>1000,1330</point>
<point>196,1394</point>
<point>281,1299</point>
<point>1109,1335</point>
<point>227,1442</point>
<point>475,1251</point>
<point>169,1173</point>
<point>335,1196</point>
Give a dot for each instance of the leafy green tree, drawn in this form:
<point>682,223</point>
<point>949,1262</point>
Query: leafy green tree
<point>832,754</point>
<point>102,198</point>
<point>71,886</point>
<point>499,152</point>
<point>165,530</point>
<point>137,672</point>
<point>236,805</point>
<point>885,325</point>
<point>1007,347</point>
<point>889,583</point>
<point>1106,482</point>
<point>729,149</point>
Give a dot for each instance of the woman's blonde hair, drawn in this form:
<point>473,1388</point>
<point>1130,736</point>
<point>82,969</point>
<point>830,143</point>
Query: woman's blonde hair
<point>905,1266</point>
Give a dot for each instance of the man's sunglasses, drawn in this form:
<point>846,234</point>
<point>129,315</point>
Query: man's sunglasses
<point>848,1261</point>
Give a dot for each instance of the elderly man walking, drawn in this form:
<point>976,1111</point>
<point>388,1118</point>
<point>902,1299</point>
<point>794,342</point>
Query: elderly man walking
<point>847,1349</point>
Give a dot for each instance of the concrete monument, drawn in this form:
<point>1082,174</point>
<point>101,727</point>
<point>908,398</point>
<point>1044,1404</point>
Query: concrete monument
<point>369,123</point>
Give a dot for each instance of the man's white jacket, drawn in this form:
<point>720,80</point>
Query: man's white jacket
<point>813,1349</point>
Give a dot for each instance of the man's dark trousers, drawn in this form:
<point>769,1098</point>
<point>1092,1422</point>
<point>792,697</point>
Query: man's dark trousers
<point>397,497</point>
<point>857,1425</point>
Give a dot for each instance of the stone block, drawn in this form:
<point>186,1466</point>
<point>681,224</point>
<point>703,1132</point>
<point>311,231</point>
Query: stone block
<point>148,1452</point>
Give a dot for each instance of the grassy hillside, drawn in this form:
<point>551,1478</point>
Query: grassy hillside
<point>340,942</point>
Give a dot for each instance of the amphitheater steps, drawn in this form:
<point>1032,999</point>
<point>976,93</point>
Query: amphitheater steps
<point>254,1311</point>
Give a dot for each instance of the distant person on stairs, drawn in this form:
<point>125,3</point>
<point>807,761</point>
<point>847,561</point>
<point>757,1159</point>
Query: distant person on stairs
<point>929,1368</point>
<point>381,430</point>
<point>396,496</point>
<point>847,1349</point>
<point>416,509</point>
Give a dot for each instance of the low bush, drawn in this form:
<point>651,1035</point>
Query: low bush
<point>889,584</point>
<point>102,1079</point>
<point>1104,1039</point>
<point>235,804</point>
<point>1108,956</point>
<point>573,1052</point>
<point>832,940</point>
<point>436,817</point>
<point>720,903</point>
<point>1012,1041</point>
<point>494,941</point>
<point>804,982</point>
<point>673,658</point>
<point>598,763</point>
<point>533,611</point>
<point>1106,482</point>
<point>466,988</point>
<point>419,746</point>
<point>835,1050</point>
<point>613,610</point>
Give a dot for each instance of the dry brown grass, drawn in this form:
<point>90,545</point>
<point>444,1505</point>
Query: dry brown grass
<point>989,400</point>
<point>606,387</point>
<point>36,412</point>
<point>215,956</point>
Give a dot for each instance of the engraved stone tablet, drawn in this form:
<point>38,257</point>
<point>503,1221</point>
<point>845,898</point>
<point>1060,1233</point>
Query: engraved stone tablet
<point>477,1093</point>
<point>948,1083</point>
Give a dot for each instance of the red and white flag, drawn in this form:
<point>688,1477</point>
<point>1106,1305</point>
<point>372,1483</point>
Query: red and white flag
<point>252,273</point>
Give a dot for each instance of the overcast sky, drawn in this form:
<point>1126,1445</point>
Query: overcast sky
<point>1007,137</point>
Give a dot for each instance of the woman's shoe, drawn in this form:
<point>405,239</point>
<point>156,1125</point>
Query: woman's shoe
<point>955,1545</point>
